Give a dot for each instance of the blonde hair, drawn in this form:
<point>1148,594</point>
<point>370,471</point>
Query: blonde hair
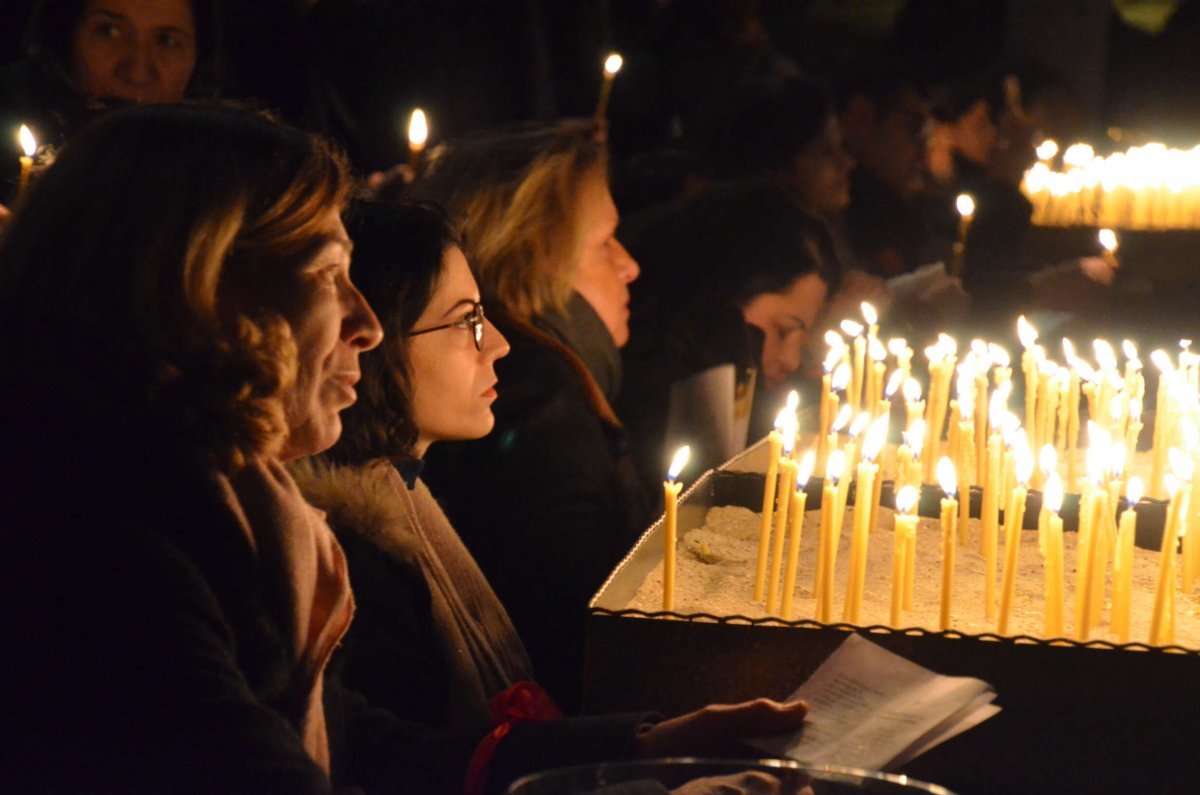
<point>169,277</point>
<point>516,197</point>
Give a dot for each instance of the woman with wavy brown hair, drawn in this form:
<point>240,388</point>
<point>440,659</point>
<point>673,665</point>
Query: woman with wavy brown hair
<point>177,319</point>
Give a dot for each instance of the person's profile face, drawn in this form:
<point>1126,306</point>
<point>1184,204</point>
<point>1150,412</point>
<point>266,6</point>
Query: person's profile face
<point>900,142</point>
<point>331,325</point>
<point>136,51</point>
<point>605,267</point>
<point>453,378</point>
<point>821,172</point>
<point>785,320</point>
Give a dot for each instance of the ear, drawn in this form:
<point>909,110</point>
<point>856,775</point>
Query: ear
<point>857,118</point>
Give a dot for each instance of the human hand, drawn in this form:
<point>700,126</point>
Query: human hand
<point>1098,270</point>
<point>750,783</point>
<point>1014,153</point>
<point>719,730</point>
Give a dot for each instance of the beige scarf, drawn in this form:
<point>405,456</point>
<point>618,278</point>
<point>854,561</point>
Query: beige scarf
<point>306,582</point>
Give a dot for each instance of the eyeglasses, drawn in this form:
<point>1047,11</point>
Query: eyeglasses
<point>473,321</point>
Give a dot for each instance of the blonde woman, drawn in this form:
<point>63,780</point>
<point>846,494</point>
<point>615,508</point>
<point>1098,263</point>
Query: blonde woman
<point>548,502</point>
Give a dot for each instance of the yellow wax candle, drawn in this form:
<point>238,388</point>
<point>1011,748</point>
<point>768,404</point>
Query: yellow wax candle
<point>966,456</point>
<point>981,425</point>
<point>1158,453</point>
<point>905,525</point>
<point>29,147</point>
<point>855,396</point>
<point>775,442</point>
<point>670,494</point>
<point>1191,537</point>
<point>1092,559</point>
<point>612,65</point>
<point>1014,517</point>
<point>795,529</point>
<point>825,418</point>
<point>1028,337</point>
<point>787,480</point>
<point>867,472</point>
<point>1072,430</point>
<point>947,478</point>
<point>1053,562</point>
<point>1164,585</point>
<point>1123,570</point>
<point>989,524</point>
<point>827,551</point>
<point>914,407</point>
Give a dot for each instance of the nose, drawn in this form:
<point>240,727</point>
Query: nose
<point>626,266</point>
<point>360,328</point>
<point>137,65</point>
<point>495,345</point>
<point>789,356</point>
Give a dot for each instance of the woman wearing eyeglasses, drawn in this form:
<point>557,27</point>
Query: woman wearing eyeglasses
<point>430,641</point>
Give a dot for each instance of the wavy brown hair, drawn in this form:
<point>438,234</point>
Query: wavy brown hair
<point>138,244</point>
<point>515,194</point>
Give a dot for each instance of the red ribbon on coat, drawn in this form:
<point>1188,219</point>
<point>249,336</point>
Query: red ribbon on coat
<point>524,702</point>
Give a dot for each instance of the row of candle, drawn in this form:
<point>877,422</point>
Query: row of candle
<point>1146,187</point>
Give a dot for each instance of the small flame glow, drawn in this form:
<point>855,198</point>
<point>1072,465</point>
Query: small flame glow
<point>1134,490</point>
<point>998,405</point>
<point>793,400</point>
<point>1130,350</point>
<point>1108,239</point>
<point>1026,333</point>
<point>1105,356</point>
<point>869,314</point>
<point>1162,360</point>
<point>965,204</point>
<point>28,142</point>
<point>876,350</point>
<point>1116,460</point>
<point>998,355</point>
<point>1181,464</point>
<point>834,340</point>
<point>876,436</point>
<point>418,129</point>
<point>851,327</point>
<point>1047,149</point>
<point>912,390</point>
<point>841,377</point>
<point>835,466</point>
<point>1171,485</point>
<point>914,437</point>
<point>841,419</point>
<point>1135,409</point>
<point>947,343</point>
<point>860,424</point>
<point>897,346</point>
<point>947,476</point>
<point>1052,494</point>
<point>832,358</point>
<point>678,462</point>
<point>782,420</point>
<point>613,63</point>
<point>804,473</point>
<point>1048,458</point>
<point>1190,434</point>
<point>1024,468</point>
<point>906,499</point>
<point>893,384</point>
<point>1078,155</point>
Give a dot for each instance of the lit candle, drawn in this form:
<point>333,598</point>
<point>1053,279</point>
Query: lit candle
<point>796,527</point>
<point>29,147</point>
<point>1014,517</point>
<point>670,495</point>
<point>1123,566</point>
<point>1158,452</point>
<point>1108,247</point>
<point>965,205</point>
<point>1047,149</point>
<point>787,479</point>
<point>874,394</point>
<point>1048,463</point>
<point>908,469</point>
<point>855,330</point>
<point>1053,561</point>
<point>966,445</point>
<point>983,363</point>
<point>612,65</point>
<point>418,135</point>
<point>905,525</point>
<point>914,407</point>
<point>1164,586</point>
<point>898,347</point>
<point>948,480</point>
<point>1028,336</point>
<point>867,471</point>
<point>828,398</point>
<point>989,518</point>
<point>826,547</point>
<point>775,443</point>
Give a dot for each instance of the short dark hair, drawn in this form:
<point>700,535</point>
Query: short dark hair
<point>880,78</point>
<point>399,251</point>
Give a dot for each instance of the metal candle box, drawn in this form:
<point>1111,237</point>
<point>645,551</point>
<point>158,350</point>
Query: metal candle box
<point>1075,716</point>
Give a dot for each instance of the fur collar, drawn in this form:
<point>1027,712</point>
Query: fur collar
<point>359,500</point>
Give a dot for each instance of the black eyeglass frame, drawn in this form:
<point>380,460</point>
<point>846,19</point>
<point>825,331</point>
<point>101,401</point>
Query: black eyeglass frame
<point>473,321</point>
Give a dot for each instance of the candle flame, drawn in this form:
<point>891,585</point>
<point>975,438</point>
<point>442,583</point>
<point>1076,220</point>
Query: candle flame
<point>1131,351</point>
<point>1105,356</point>
<point>947,476</point>
<point>418,129</point>
<point>1108,239</point>
<point>793,400</point>
<point>1115,408</point>
<point>781,419</point>
<point>912,390</point>
<point>893,384</point>
<point>1190,434</point>
<point>1135,409</point>
<point>834,340</point>
<point>1170,485</point>
<point>1078,155</point>
<point>1162,360</point>
<point>841,377</point>
<point>1181,464</point>
<point>851,327</point>
<point>1026,333</point>
<point>1117,460</point>
<point>836,465</point>
<point>1048,458</point>
<point>28,142</point>
<point>876,436</point>
<point>906,499</point>
<point>965,205</point>
<point>998,355</point>
<point>841,419</point>
<point>935,354</point>
<point>860,424</point>
<point>1047,149</point>
<point>1052,495</point>
<point>1134,490</point>
<point>998,405</point>
<point>831,359</point>
<point>807,462</point>
<point>678,462</point>
<point>613,63</point>
<point>869,314</point>
<point>789,438</point>
<point>914,437</point>
<point>1024,468</point>
<point>947,343</point>
<point>876,350</point>
<point>897,346</point>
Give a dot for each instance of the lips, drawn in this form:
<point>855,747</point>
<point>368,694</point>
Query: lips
<point>490,392</point>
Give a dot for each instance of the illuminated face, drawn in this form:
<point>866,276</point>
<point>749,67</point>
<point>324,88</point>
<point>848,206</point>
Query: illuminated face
<point>785,320</point>
<point>821,172</point>
<point>135,50</point>
<point>453,381</point>
<point>605,268</point>
<point>896,148</point>
<point>331,325</point>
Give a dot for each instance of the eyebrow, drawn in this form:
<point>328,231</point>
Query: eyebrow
<point>459,303</point>
<point>116,16</point>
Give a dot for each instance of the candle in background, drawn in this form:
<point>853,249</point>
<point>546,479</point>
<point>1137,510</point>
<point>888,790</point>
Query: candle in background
<point>612,65</point>
<point>828,399</point>
<point>1164,585</point>
<point>908,455</point>
<point>989,518</point>
<point>1158,454</point>
<point>1048,463</point>
<point>418,135</point>
<point>775,444</point>
<point>796,527</point>
<point>826,545</point>
<point>1053,560</point>
<point>914,407</point>
<point>1028,336</point>
<point>1108,247</point>
<point>1123,565</point>
<point>867,472</point>
<point>29,148</point>
<point>905,525</point>
<point>947,478</point>
<point>875,372</point>
<point>898,347</point>
<point>671,488</point>
<point>787,480</point>
<point>965,205</point>
<point>983,362</point>
<point>894,383</point>
<point>855,330</point>
<point>1014,517</point>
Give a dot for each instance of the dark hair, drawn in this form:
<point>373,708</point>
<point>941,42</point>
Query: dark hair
<point>880,78</point>
<point>123,271</point>
<point>399,250</point>
<point>49,34</point>
<point>759,127</point>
